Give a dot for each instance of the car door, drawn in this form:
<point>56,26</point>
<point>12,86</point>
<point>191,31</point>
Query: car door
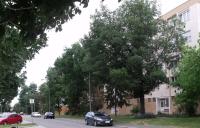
<point>89,118</point>
<point>92,118</point>
<point>10,119</point>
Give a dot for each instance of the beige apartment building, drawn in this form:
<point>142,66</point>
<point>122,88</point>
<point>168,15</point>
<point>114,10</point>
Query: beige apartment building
<point>162,98</point>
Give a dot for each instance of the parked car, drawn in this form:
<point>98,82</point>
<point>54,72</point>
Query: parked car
<point>49,115</point>
<point>98,118</point>
<point>35,114</point>
<point>10,118</point>
<point>21,113</point>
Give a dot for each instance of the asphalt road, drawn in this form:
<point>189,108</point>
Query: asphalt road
<point>65,123</point>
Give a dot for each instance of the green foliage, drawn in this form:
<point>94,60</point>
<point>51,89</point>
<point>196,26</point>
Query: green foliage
<point>44,98</point>
<point>33,17</point>
<point>23,26</point>
<point>188,80</point>
<point>135,110</point>
<point>27,93</point>
<point>66,80</point>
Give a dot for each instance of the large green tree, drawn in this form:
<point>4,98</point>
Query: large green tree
<point>133,38</point>
<point>23,25</point>
<point>66,80</point>
<point>33,17</point>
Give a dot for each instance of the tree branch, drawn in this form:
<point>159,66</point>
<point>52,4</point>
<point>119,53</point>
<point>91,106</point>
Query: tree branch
<point>16,9</point>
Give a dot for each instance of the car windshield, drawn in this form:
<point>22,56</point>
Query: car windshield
<point>4,115</point>
<point>48,113</point>
<point>99,114</point>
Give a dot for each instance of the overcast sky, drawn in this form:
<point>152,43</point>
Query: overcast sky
<point>72,32</point>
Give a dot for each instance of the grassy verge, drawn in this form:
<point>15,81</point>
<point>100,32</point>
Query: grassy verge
<point>20,125</point>
<point>179,122</point>
<point>70,116</point>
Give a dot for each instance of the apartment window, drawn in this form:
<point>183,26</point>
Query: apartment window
<point>154,99</point>
<point>164,102</point>
<point>173,78</point>
<point>184,16</point>
<point>149,99</point>
<point>188,36</point>
<point>174,63</point>
<point>171,19</point>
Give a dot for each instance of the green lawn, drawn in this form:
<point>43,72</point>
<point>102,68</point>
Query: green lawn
<point>70,116</point>
<point>179,122</point>
<point>20,125</point>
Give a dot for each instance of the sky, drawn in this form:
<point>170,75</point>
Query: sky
<point>72,32</point>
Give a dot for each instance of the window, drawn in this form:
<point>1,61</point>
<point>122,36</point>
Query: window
<point>173,78</point>
<point>188,36</point>
<point>164,102</point>
<point>184,16</point>
<point>149,99</point>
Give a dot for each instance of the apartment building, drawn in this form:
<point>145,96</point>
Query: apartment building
<point>162,98</point>
<point>189,14</point>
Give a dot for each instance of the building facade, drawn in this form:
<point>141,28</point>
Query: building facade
<point>189,14</point>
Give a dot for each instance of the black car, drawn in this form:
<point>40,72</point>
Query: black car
<point>98,118</point>
<point>49,115</point>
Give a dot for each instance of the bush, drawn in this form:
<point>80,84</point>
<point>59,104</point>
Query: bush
<point>144,116</point>
<point>135,110</point>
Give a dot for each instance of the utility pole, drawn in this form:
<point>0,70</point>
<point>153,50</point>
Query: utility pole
<point>49,100</point>
<point>90,100</point>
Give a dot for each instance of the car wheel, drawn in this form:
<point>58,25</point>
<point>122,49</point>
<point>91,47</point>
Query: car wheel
<point>86,122</point>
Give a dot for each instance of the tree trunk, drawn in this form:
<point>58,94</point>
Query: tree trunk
<point>142,104</point>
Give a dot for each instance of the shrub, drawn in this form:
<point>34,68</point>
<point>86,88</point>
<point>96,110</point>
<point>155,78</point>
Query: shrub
<point>143,116</point>
<point>135,110</point>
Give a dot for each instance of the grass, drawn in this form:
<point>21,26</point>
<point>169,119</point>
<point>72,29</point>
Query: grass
<point>178,122</point>
<point>20,125</point>
<point>175,122</point>
<point>70,116</point>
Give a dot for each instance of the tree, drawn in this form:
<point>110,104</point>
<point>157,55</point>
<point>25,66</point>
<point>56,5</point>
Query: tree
<point>188,80</point>
<point>12,58</point>
<point>24,99</point>
<point>44,94</point>
<point>133,38</point>
<point>67,78</point>
<point>33,17</point>
<point>23,26</point>
<point>106,50</point>
<point>27,93</point>
<point>118,91</point>
<point>55,86</point>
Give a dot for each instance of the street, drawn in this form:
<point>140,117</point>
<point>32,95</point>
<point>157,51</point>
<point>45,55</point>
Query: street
<point>65,123</point>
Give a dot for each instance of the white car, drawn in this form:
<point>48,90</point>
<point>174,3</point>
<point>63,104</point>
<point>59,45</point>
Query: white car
<point>35,114</point>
